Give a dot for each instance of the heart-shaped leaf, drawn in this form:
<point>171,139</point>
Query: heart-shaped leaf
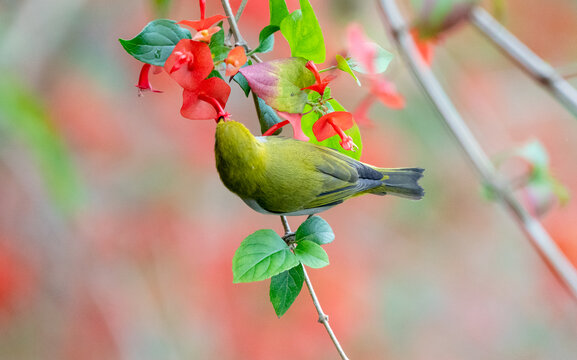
<point>284,289</point>
<point>154,44</point>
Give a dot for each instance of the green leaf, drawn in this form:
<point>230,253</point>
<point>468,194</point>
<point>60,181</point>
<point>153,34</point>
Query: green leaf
<point>311,254</point>
<point>267,117</point>
<point>24,117</point>
<point>284,289</point>
<point>343,65</point>
<point>217,47</point>
<point>241,81</point>
<point>278,11</point>
<point>260,256</point>
<point>266,39</point>
<point>279,83</point>
<point>302,31</point>
<point>435,16</point>
<point>214,73</point>
<point>381,61</point>
<point>310,117</point>
<point>315,229</point>
<point>161,7</point>
<point>154,44</point>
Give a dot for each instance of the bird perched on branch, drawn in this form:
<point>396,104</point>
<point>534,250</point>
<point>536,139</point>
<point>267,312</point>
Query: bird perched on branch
<point>283,176</point>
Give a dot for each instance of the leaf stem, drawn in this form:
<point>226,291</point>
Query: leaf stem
<point>532,228</point>
<point>323,318</point>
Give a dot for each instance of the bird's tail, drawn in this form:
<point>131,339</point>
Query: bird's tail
<point>401,182</point>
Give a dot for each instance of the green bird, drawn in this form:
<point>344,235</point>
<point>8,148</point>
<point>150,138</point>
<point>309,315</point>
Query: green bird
<point>284,176</point>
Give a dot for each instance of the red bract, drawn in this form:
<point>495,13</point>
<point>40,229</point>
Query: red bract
<point>144,81</point>
<point>426,47</point>
<point>319,85</point>
<point>362,49</point>
<point>189,63</point>
<point>206,101</point>
<point>203,23</point>
<point>235,59</point>
<point>387,93</point>
<point>334,124</point>
<point>295,121</point>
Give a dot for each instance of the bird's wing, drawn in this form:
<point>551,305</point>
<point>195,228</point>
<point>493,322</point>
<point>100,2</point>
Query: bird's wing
<point>344,177</point>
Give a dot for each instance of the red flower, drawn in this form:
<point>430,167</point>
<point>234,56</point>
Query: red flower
<point>203,26</point>
<point>143,80</point>
<point>206,101</point>
<point>319,85</point>
<point>203,23</point>
<point>361,48</point>
<point>334,124</point>
<point>426,47</point>
<point>387,93</point>
<point>189,63</point>
<point>294,120</point>
<point>235,59</point>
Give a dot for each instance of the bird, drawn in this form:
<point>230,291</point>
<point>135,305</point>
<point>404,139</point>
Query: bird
<point>283,176</point>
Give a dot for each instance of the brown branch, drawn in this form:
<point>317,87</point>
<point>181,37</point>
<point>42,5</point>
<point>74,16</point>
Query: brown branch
<point>532,228</point>
<point>533,65</point>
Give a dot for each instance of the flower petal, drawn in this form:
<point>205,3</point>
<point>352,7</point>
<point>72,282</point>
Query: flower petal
<point>189,63</point>
<point>144,81</point>
<point>196,109</point>
<point>295,121</point>
<point>235,60</point>
<point>387,93</point>
<point>327,125</point>
<point>202,24</point>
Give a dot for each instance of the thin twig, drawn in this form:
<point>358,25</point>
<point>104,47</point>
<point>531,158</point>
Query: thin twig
<point>323,318</point>
<point>532,228</point>
<point>533,65</point>
<point>232,23</point>
<point>240,10</point>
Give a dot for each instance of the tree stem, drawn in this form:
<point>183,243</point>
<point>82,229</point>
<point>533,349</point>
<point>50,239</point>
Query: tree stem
<point>532,228</point>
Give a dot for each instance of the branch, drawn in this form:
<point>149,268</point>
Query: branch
<point>323,318</point>
<point>232,23</point>
<point>526,59</point>
<point>532,228</point>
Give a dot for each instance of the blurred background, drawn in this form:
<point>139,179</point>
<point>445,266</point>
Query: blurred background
<point>116,235</point>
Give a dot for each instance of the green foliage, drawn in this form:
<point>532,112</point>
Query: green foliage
<point>278,11</point>
<point>381,61</point>
<point>241,81</point>
<point>436,16</point>
<point>266,39</point>
<point>284,289</point>
<point>279,83</point>
<point>315,229</point>
<point>343,64</point>
<point>302,31</point>
<point>154,44</point>
<point>217,47</point>
<point>310,117</point>
<point>267,117</point>
<point>264,254</point>
<point>161,7</point>
<point>311,254</point>
<point>25,118</point>
<point>260,256</point>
